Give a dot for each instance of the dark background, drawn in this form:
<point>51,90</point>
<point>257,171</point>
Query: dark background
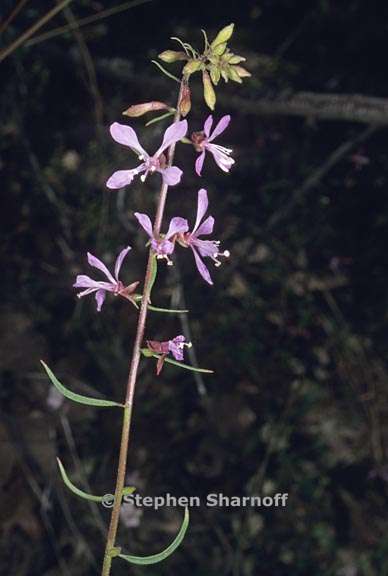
<point>294,327</point>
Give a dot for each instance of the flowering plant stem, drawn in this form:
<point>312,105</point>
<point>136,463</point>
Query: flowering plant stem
<point>132,377</point>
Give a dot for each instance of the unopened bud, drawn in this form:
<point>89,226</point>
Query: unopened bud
<point>139,109</point>
<point>219,49</point>
<point>215,74</point>
<point>242,72</point>
<point>191,67</point>
<point>185,101</point>
<point>170,56</point>
<point>234,59</point>
<point>223,35</point>
<point>232,74</point>
<point>208,90</point>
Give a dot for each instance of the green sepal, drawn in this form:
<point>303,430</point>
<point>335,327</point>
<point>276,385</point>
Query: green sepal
<point>149,354</point>
<point>155,558</point>
<point>74,489</point>
<point>78,397</point>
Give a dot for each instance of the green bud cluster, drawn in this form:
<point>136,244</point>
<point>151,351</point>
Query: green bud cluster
<point>215,62</point>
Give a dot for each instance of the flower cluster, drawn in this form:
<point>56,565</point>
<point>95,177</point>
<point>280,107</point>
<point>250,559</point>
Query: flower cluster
<point>178,232</point>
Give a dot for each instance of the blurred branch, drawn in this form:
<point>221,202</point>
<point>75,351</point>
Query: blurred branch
<point>84,21</point>
<point>319,173</point>
<point>19,41</point>
<point>12,15</point>
<point>346,107</point>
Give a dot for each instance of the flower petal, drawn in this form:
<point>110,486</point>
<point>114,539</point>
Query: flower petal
<point>202,205</point>
<point>201,267</point>
<point>177,225</point>
<point>206,247</point>
<point>100,297</point>
<point>163,247</point>
<point>83,281</point>
<point>221,126</point>
<point>173,134</point>
<point>208,125</point>
<point>122,178</point>
<point>119,261</point>
<point>199,163</point>
<point>96,263</point>
<point>126,135</point>
<point>145,222</point>
<point>223,160</point>
<point>206,227</point>
<point>172,175</point>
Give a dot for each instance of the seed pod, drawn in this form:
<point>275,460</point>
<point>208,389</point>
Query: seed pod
<point>185,102</point>
<point>208,90</point>
<point>170,56</point>
<point>191,67</point>
<point>139,109</point>
<point>223,35</point>
<point>242,72</point>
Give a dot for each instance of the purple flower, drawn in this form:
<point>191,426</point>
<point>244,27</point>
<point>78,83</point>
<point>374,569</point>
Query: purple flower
<point>199,247</point>
<point>203,142</point>
<point>100,288</point>
<point>174,346</point>
<point>157,163</point>
<point>165,244</point>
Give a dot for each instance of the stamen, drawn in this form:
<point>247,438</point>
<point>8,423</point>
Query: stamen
<point>143,177</point>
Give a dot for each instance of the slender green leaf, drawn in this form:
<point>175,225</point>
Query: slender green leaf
<point>155,558</point>
<point>77,397</point>
<point>154,272</point>
<point>167,310</point>
<point>159,118</point>
<point>74,489</point>
<point>149,354</point>
<point>165,71</point>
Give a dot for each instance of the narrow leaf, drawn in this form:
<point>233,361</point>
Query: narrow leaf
<point>148,354</point>
<point>167,310</point>
<point>165,71</point>
<point>77,397</point>
<point>154,272</point>
<point>155,558</point>
<point>74,489</point>
<point>161,117</point>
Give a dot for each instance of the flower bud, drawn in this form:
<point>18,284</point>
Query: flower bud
<point>223,35</point>
<point>208,90</point>
<point>242,72</point>
<point>185,102</point>
<point>234,59</point>
<point>215,74</point>
<point>219,49</point>
<point>191,67</point>
<point>139,109</point>
<point>172,56</point>
<point>233,75</point>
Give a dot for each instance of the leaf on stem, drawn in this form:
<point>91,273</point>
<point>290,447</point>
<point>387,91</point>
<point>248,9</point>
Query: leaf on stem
<point>78,397</point>
<point>149,354</point>
<point>167,310</point>
<point>159,118</point>
<point>155,558</point>
<point>74,489</point>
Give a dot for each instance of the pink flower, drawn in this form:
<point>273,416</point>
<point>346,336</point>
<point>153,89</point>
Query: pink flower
<point>157,163</point>
<point>199,247</point>
<point>174,346</point>
<point>100,288</point>
<point>203,142</point>
<point>165,244</point>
